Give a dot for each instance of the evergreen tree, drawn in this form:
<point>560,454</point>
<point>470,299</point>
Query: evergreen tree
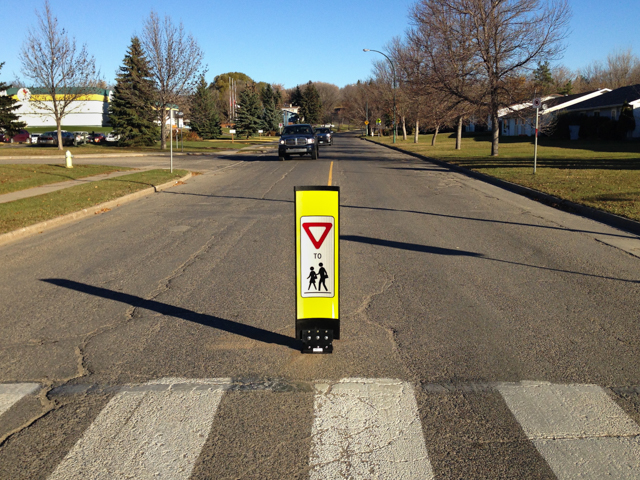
<point>9,121</point>
<point>132,112</point>
<point>311,107</point>
<point>270,114</point>
<point>248,120</point>
<point>296,97</point>
<point>204,117</point>
<point>542,79</point>
<point>566,89</point>
<point>626,122</point>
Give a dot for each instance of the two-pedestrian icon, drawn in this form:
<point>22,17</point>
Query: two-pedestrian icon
<point>322,273</point>
<point>317,257</point>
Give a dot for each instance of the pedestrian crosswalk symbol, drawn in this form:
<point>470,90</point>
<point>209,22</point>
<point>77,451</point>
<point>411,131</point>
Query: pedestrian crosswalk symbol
<point>316,257</point>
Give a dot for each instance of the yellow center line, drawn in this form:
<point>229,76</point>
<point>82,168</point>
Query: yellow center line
<point>330,173</point>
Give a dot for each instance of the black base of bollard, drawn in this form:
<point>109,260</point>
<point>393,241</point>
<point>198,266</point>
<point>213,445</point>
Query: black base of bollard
<point>317,340</point>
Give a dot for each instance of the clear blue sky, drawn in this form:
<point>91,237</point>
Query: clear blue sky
<point>287,41</point>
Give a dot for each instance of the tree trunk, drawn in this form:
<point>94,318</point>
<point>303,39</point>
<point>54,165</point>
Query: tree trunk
<point>59,129</point>
<point>495,131</point>
<point>459,135</point>
<point>404,129</point>
<point>417,133</point>
<point>435,134</point>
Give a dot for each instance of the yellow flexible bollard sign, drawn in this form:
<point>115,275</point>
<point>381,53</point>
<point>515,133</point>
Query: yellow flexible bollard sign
<point>317,267</point>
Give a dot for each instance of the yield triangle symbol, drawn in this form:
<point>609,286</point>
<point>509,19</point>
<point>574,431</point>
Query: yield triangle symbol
<point>317,242</point>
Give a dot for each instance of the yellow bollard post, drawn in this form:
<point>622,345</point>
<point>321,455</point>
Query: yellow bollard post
<point>69,158</point>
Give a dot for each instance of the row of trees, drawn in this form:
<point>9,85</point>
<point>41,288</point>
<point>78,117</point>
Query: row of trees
<point>464,58</point>
<point>467,60</point>
<point>160,68</point>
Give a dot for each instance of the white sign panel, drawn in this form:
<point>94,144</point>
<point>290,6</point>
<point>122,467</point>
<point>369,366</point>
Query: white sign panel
<point>317,254</point>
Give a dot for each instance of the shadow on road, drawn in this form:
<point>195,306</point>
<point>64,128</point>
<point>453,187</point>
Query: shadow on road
<point>413,247</point>
<point>254,333</point>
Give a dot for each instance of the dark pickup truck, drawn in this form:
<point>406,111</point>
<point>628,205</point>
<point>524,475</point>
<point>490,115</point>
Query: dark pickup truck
<point>325,135</point>
<point>298,140</point>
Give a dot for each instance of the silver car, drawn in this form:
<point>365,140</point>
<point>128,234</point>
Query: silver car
<point>51,138</point>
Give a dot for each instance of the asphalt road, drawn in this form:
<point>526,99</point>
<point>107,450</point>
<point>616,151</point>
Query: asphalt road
<point>483,335</point>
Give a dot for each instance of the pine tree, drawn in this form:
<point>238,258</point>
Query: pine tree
<point>204,118</point>
<point>248,120</point>
<point>542,79</point>
<point>132,113</point>
<point>9,121</point>
<point>311,106</point>
<point>270,115</point>
<point>296,97</point>
<point>566,89</point>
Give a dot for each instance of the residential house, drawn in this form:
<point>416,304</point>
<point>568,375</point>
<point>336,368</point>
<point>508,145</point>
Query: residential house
<point>610,105</point>
<point>522,121</point>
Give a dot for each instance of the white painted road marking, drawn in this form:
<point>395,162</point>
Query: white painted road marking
<point>578,429</point>
<point>147,434</point>
<point>10,393</point>
<point>367,428</point>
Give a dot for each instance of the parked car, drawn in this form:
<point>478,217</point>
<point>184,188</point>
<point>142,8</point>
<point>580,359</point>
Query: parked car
<point>298,140</point>
<point>325,136</point>
<point>112,137</point>
<point>97,138</point>
<point>21,137</point>
<point>34,138</point>
<point>51,138</point>
<point>81,137</point>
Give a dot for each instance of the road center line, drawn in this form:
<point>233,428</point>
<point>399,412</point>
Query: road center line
<point>330,174</point>
<point>367,428</point>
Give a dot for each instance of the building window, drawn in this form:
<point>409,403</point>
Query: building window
<point>596,113</point>
<point>614,114</point>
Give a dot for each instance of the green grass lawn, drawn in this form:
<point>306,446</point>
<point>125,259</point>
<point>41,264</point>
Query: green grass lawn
<point>603,175</point>
<point>21,177</point>
<point>28,211</point>
<point>203,146</point>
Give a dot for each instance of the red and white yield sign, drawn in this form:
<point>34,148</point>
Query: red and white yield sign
<point>317,257</point>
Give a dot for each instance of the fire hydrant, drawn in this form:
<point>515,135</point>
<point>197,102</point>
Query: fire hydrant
<point>69,159</point>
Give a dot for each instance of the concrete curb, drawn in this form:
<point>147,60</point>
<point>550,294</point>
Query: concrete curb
<point>96,209</point>
<point>610,219</point>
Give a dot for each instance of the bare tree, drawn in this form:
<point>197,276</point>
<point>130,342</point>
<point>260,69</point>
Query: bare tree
<point>488,43</point>
<point>359,103</point>
<point>56,68</point>
<point>329,97</point>
<point>621,68</point>
<point>175,63</point>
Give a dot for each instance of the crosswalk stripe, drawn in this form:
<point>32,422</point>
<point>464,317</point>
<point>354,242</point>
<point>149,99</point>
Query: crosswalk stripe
<point>144,434</point>
<point>11,393</point>
<point>367,428</point>
<point>578,429</point>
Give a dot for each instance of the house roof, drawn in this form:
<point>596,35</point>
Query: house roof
<point>614,98</point>
<point>554,103</point>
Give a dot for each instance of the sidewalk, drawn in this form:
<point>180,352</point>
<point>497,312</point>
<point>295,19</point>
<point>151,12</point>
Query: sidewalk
<point>52,187</point>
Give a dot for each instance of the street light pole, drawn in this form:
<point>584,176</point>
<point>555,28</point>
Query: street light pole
<point>393,70</point>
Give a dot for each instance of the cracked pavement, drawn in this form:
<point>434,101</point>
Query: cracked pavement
<point>448,285</point>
